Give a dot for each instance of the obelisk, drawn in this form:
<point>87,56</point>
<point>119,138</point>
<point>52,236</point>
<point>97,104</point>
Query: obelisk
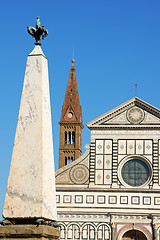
<point>30,195</point>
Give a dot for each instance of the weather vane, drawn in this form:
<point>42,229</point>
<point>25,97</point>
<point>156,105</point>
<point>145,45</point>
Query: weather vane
<point>38,32</point>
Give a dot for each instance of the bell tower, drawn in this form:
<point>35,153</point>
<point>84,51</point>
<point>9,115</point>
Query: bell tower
<point>70,144</point>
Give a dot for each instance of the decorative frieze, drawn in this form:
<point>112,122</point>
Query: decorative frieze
<point>107,199</point>
<point>85,230</point>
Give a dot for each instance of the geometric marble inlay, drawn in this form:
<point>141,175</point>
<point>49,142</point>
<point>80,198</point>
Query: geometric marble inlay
<point>89,199</point>
<point>99,161</point>
<point>99,146</point>
<point>79,174</point>
<point>157,200</point>
<point>101,199</point>
<point>112,200</point>
<point>124,200</point>
<point>99,176</point>
<point>146,200</point>
<point>135,200</point>
<point>79,199</point>
<point>107,162</point>
<point>67,199</point>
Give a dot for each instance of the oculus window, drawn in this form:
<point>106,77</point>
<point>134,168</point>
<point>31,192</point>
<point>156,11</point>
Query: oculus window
<point>135,172</point>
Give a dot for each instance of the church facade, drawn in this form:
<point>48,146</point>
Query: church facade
<point>112,191</point>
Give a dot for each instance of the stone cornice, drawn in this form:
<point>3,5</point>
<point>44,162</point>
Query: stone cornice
<point>80,188</point>
<point>133,102</point>
<point>125,127</point>
<point>71,124</point>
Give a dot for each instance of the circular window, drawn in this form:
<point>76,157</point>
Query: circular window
<point>135,172</point>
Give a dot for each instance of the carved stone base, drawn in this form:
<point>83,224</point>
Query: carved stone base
<point>22,232</point>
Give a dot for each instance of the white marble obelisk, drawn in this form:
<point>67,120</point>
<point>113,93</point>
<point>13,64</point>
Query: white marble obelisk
<point>31,183</point>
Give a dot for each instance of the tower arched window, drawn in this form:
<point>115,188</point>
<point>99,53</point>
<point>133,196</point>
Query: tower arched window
<point>66,161</point>
<point>69,160</point>
<point>73,137</point>
<point>69,138</point>
<point>65,137</point>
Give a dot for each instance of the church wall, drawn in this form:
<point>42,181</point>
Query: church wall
<point>123,143</point>
<point>128,134</point>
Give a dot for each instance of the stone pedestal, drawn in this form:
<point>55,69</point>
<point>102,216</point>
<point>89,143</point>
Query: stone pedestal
<point>33,232</point>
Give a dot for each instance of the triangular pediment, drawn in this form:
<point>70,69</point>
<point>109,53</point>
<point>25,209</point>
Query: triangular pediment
<point>133,112</point>
<point>70,114</point>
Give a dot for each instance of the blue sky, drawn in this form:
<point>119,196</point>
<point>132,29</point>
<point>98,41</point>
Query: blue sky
<point>116,44</point>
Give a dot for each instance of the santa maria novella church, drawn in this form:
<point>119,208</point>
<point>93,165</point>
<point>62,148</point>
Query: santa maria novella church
<point>112,191</point>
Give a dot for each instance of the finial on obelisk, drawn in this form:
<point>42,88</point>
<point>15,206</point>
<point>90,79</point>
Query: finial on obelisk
<point>38,32</point>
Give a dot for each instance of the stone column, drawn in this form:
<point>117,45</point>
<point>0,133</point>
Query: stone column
<point>155,234</point>
<point>30,202</point>
<point>112,231</point>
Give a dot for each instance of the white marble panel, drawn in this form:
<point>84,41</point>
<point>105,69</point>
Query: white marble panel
<point>148,147</point>
<point>99,161</point>
<point>79,199</point>
<point>108,146</point>
<point>57,198</point>
<point>90,199</point>
<point>99,177</point>
<point>112,199</point>
<point>107,176</point>
<point>107,161</point>
<point>147,200</point>
<point>123,199</point>
<point>130,147</point>
<point>120,157</point>
<point>150,158</point>
<point>67,199</point>
<point>139,147</point>
<point>135,200</point>
<point>101,199</point>
<point>122,147</point>
<point>99,146</point>
<point>150,119</point>
<point>157,200</point>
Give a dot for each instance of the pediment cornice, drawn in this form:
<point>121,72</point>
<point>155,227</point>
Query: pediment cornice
<point>99,122</point>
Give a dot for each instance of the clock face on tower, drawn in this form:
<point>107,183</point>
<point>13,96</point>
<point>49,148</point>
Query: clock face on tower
<point>135,115</point>
<point>70,115</point>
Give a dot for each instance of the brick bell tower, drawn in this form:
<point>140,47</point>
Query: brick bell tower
<point>70,144</point>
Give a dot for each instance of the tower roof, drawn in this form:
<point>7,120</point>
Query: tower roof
<point>71,110</point>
